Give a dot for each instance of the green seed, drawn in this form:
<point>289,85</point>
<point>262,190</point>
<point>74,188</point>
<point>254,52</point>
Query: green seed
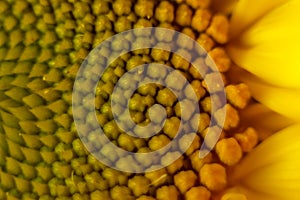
<point>9,23</point>
<point>16,37</point>
<point>22,113</point>
<point>3,7</point>
<point>64,46</point>
<point>21,81</point>
<point>37,85</point>
<point>3,52</point>
<point>29,53</point>
<point>58,106</point>
<point>49,18</point>
<point>61,170</point>
<point>31,37</point>
<point>14,150</point>
<point>61,60</point>
<point>65,86</point>
<point>48,38</point>
<point>3,155</point>
<point>54,75</point>
<point>33,100</point>
<point>22,185</point>
<point>32,156</point>
<point>7,103</point>
<point>14,52</point>
<point>47,126</point>
<point>49,140</point>
<point>19,7</point>
<point>48,156</point>
<point>28,19</point>
<point>7,180</point>
<point>5,83</point>
<point>44,171</point>
<point>40,188</point>
<point>13,134</point>
<point>49,94</point>
<point>38,70</point>
<point>66,137</point>
<point>28,171</point>
<point>45,55</point>
<point>64,120</point>
<point>29,127</point>
<point>31,141</point>
<point>23,67</point>
<point>9,119</point>
<point>12,166</point>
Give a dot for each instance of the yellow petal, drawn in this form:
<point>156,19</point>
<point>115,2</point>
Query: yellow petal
<point>269,47</point>
<point>247,12</point>
<point>282,100</point>
<point>223,6</point>
<point>248,193</point>
<point>264,120</point>
<point>273,167</point>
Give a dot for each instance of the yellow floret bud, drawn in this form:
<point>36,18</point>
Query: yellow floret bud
<point>238,95</point>
<point>198,89</point>
<point>229,151</point>
<point>176,165</point>
<point>167,193</point>
<point>185,141</point>
<point>171,126</point>
<point>201,19</point>
<point>183,15</point>
<point>213,176</point>
<point>164,12</point>
<point>126,142</point>
<point>158,142</point>
<point>232,117</point>
<point>144,8</point>
<point>96,195</point>
<point>122,24</point>
<point>219,28</point>
<point>139,185</point>
<point>166,97</point>
<point>145,198</point>
<point>206,41</point>
<point>198,3</point>
<point>196,193</point>
<point>157,177</point>
<point>122,7</point>
<point>121,193</point>
<point>248,139</point>
<point>220,58</point>
<point>184,180</point>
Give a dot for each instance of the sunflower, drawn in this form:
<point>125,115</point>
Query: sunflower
<point>43,43</point>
